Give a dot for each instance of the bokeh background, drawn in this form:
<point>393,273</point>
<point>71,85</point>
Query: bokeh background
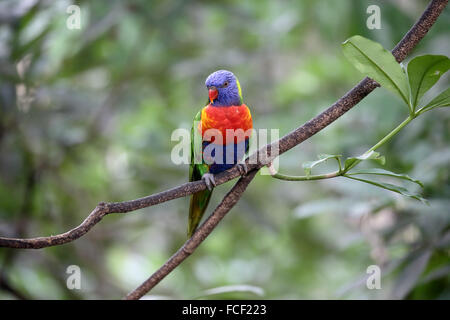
<point>87,116</point>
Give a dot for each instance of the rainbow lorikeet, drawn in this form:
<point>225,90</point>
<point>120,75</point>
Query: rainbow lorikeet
<point>224,112</point>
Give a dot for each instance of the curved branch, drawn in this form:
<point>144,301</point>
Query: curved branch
<point>403,48</point>
<point>228,202</point>
<point>99,212</point>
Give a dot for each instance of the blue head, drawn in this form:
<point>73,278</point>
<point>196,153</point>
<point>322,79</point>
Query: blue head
<point>224,89</point>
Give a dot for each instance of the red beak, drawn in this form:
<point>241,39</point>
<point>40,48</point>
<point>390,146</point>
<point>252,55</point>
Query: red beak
<point>213,93</point>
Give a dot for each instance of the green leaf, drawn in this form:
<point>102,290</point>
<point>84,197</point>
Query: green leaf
<point>370,58</point>
<point>382,172</point>
<point>391,187</point>
<point>442,100</point>
<point>424,72</point>
<point>307,166</point>
<point>371,155</point>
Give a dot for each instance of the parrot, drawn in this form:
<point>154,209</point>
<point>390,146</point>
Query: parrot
<point>224,111</point>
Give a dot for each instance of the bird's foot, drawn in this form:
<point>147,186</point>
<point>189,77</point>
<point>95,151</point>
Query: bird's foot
<point>209,180</point>
<point>242,167</point>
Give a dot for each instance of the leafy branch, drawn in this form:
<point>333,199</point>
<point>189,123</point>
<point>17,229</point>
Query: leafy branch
<point>374,61</point>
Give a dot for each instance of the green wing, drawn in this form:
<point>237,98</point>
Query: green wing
<point>199,201</point>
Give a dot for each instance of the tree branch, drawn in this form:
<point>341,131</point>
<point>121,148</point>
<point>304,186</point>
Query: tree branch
<point>254,162</point>
<point>228,202</point>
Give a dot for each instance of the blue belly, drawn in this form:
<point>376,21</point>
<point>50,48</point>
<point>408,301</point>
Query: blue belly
<point>221,158</point>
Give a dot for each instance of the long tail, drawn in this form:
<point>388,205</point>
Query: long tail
<point>197,207</point>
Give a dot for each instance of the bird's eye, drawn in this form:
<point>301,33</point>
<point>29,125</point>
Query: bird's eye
<point>225,84</point>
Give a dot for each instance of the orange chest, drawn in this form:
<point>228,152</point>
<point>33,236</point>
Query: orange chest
<point>227,120</point>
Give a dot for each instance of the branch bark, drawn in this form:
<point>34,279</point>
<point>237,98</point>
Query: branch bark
<point>254,163</point>
<point>228,202</point>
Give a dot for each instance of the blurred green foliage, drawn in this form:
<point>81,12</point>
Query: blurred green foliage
<point>87,115</point>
